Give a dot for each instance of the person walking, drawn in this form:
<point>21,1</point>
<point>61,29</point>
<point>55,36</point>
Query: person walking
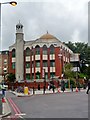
<point>88,87</point>
<point>71,86</point>
<point>62,85</point>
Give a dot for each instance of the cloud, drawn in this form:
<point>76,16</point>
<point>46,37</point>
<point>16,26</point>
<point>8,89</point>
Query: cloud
<point>65,20</point>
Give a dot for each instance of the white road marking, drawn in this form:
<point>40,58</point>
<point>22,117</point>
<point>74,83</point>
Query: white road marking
<point>20,114</point>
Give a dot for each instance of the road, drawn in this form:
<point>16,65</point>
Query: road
<point>62,105</point>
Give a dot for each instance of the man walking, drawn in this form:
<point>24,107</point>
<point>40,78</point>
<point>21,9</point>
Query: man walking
<point>88,87</point>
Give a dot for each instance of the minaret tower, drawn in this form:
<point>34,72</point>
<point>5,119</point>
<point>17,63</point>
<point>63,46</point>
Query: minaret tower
<point>19,52</point>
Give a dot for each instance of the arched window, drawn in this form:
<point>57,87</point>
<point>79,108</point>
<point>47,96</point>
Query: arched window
<point>27,51</point>
<point>13,53</point>
<point>44,50</point>
<point>52,51</point>
<point>37,48</point>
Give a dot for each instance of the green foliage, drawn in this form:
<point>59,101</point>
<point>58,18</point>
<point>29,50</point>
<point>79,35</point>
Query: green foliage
<point>68,71</point>
<point>84,50</point>
<point>11,77</point>
<point>82,75</point>
<point>71,82</point>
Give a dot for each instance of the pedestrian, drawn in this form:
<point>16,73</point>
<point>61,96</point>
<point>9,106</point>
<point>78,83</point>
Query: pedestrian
<point>38,86</point>
<point>44,88</point>
<point>79,86</point>
<point>63,85</point>
<point>71,86</point>
<point>48,86</point>
<point>88,87</point>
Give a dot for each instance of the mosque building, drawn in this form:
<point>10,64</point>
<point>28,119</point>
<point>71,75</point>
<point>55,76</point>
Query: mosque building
<point>36,59</point>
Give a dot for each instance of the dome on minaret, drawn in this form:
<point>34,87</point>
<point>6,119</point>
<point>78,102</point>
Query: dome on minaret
<point>19,28</point>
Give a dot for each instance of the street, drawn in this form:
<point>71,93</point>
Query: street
<point>62,105</point>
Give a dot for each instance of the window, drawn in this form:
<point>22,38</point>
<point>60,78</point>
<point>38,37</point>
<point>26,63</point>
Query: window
<point>44,50</point>
<point>13,53</point>
<point>27,76</point>
<point>32,75</point>
<point>37,50</point>
<point>52,49</point>
<point>37,63</point>
<point>27,51</point>
<point>5,71</point>
<point>52,63</point>
<point>38,75</point>
<point>5,61</point>
<point>45,63</point>
<point>52,74</point>
<point>13,65</point>
<point>27,64</point>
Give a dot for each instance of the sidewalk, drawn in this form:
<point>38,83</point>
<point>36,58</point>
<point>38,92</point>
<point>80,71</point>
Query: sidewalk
<point>41,92</point>
<point>5,109</point>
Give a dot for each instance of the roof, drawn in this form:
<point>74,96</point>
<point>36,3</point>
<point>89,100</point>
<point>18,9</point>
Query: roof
<point>47,36</point>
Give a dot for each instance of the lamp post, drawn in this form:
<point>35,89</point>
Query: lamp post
<point>43,76</point>
<point>13,3</point>
<point>60,57</point>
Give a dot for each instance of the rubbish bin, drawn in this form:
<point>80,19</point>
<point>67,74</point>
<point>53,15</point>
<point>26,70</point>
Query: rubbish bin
<point>26,90</point>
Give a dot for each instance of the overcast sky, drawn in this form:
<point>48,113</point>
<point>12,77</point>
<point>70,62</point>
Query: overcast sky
<point>66,20</point>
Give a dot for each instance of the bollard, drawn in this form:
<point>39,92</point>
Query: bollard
<point>0,104</point>
<point>33,90</point>
<point>26,90</point>
<point>53,89</point>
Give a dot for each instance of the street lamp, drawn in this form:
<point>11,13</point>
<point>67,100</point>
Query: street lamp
<point>60,57</point>
<point>13,3</point>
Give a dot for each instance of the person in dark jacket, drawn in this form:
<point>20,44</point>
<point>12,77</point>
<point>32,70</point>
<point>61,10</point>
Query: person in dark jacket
<point>71,86</point>
<point>88,87</point>
<point>62,85</point>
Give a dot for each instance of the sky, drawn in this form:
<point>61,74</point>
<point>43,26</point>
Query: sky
<point>66,20</point>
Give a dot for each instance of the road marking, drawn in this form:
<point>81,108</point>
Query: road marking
<point>21,114</point>
<point>16,109</point>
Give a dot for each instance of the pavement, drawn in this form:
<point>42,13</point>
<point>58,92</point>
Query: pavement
<point>5,108</point>
<point>5,105</point>
<point>40,92</point>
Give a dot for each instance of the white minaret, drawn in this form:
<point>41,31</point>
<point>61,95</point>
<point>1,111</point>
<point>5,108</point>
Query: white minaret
<point>19,52</point>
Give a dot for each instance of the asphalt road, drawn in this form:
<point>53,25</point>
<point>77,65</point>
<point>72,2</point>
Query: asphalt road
<point>63,105</point>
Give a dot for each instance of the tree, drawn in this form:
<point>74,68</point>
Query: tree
<point>11,78</point>
<point>69,74</point>
<point>84,50</point>
<point>68,70</point>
